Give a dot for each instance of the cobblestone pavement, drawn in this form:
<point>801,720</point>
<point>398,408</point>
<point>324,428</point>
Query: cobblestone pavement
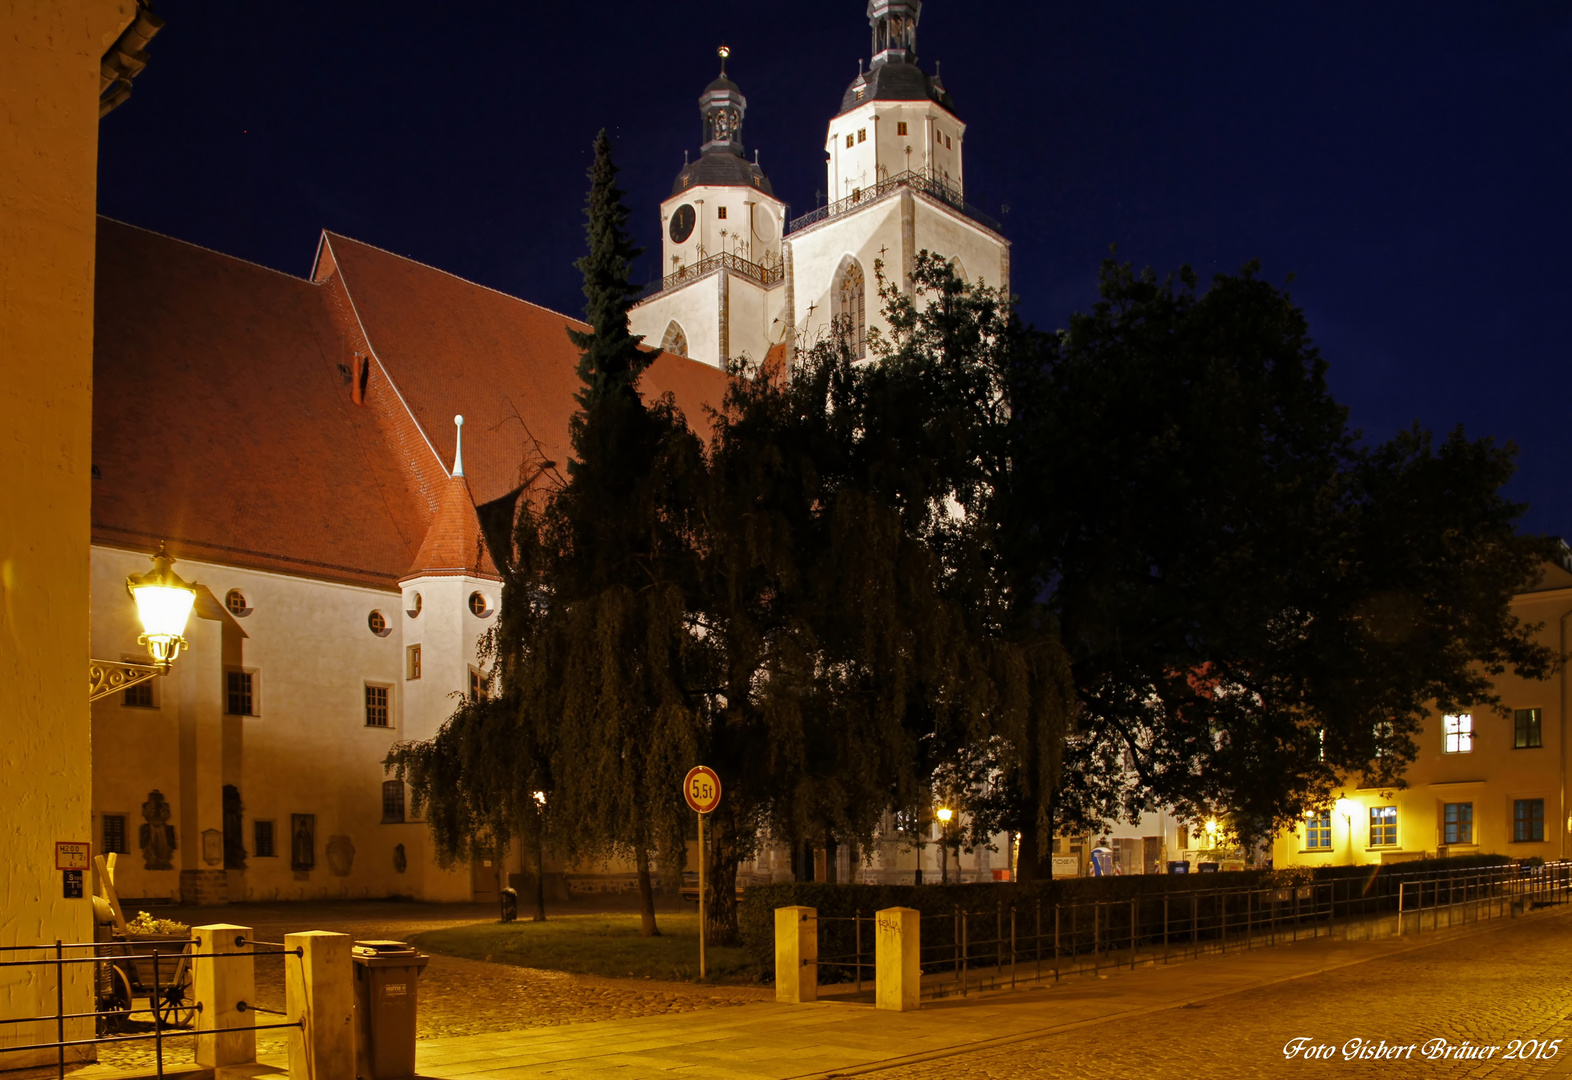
<point>457,996</point>
<point>1513,982</point>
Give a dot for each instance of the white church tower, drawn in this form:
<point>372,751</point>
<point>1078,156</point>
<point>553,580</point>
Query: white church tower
<point>722,294</point>
<point>893,159</point>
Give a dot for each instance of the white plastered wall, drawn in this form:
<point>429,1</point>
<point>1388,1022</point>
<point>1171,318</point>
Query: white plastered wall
<point>878,150</point>
<point>308,749</point>
<point>750,230</point>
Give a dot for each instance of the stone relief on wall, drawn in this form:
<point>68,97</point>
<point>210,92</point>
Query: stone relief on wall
<point>212,847</point>
<point>400,860</point>
<point>302,841</point>
<point>157,835</point>
<point>340,855</point>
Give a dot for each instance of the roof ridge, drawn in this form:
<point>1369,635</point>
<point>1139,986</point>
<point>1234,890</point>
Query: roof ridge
<point>456,277</point>
<point>210,251</point>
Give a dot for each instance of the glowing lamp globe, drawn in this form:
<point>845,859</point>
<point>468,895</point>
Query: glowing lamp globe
<point>1346,807</point>
<point>163,603</point>
<point>944,814</point>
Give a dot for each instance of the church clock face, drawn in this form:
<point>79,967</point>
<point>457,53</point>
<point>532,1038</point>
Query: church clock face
<point>682,223</point>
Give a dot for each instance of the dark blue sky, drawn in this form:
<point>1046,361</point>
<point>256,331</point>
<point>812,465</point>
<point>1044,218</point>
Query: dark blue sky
<point>1410,163</point>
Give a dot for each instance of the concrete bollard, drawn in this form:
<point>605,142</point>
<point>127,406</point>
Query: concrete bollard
<point>897,954</point>
<point>319,988</point>
<point>224,984</point>
<point>796,955</point>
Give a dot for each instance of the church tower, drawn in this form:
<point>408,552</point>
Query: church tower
<point>721,295</point>
<point>893,162</point>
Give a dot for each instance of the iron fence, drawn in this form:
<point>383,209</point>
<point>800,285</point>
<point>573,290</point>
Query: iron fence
<point>171,1014</point>
<point>970,949</point>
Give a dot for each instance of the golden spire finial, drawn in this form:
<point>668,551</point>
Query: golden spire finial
<point>724,51</point>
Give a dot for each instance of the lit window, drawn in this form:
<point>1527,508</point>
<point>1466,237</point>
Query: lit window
<point>376,706</point>
<point>1457,822</point>
<point>412,662</point>
<point>900,127</point>
<point>1383,826</point>
<point>1459,733</point>
<point>862,134</point>
<point>1318,832</point>
<point>235,601</point>
<point>392,802</point>
<point>1528,734</point>
<point>1528,820</point>
<point>115,835</point>
<point>262,839</point>
<point>721,213</point>
<point>851,140</point>
<point>377,623</point>
<point>240,693</point>
<point>140,696</point>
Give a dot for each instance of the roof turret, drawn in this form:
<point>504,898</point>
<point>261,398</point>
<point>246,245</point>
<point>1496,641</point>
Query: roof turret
<point>721,162</point>
<point>894,74</point>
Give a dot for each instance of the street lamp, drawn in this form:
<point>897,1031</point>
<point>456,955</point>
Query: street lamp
<point>163,603</point>
<point>944,814</point>
<point>1346,807</point>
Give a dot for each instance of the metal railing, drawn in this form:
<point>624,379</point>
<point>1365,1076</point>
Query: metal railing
<point>972,949</point>
<point>768,276</point>
<point>162,1005</point>
<point>922,180</point>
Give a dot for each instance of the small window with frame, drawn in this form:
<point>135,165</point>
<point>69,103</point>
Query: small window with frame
<point>242,693</point>
<point>1527,729</point>
<point>262,840</point>
<point>1318,832</point>
<point>862,135</point>
<point>900,127</point>
<point>851,141</point>
<point>116,835</point>
<point>412,661</point>
<point>1383,826</point>
<point>140,696</point>
<point>1457,823</point>
<point>1457,733</point>
<point>376,705</point>
<point>1528,821</point>
<point>721,213</point>
<point>479,685</point>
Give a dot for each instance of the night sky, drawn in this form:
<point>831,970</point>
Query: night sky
<point>1409,163</point>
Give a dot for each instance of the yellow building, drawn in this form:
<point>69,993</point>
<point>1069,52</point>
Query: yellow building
<point>1483,782</point>
<point>61,63</point>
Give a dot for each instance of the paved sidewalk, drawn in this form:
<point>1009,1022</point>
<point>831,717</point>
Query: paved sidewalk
<point>777,1042</point>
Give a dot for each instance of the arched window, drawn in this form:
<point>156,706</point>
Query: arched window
<point>959,269</point>
<point>848,306</point>
<point>675,341</point>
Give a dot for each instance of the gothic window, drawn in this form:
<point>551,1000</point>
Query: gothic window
<point>959,269</point>
<point>848,306</point>
<point>675,341</point>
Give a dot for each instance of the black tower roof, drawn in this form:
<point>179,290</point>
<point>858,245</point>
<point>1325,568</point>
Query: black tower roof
<point>894,74</point>
<point>721,162</point>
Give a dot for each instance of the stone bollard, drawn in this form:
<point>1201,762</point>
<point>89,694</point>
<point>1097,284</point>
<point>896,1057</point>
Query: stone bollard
<point>224,985</point>
<point>319,988</point>
<point>897,952</point>
<point>796,955</point>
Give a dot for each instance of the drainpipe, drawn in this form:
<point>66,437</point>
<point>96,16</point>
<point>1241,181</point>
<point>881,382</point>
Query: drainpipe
<point>1561,746</point>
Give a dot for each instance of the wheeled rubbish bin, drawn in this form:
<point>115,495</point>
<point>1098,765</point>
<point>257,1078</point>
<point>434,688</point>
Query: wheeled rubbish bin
<point>387,976</point>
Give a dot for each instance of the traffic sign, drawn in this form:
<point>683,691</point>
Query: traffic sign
<point>702,789</point>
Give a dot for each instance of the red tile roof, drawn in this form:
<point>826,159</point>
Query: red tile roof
<point>224,421</point>
<point>454,544</point>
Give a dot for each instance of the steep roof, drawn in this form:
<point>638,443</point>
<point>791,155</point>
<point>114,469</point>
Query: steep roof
<point>223,423</point>
<point>454,543</point>
<point>450,346</point>
<point>228,420</point>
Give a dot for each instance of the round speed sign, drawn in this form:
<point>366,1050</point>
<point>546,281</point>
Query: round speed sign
<point>702,789</point>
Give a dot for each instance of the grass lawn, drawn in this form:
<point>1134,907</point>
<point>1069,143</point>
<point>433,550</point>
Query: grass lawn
<point>606,945</point>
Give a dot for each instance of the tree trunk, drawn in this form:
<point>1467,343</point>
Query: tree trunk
<point>720,881</point>
<point>647,927</point>
<point>540,878</point>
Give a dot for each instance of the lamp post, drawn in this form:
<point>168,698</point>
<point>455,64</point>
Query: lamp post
<point>1346,807</point>
<point>163,603</point>
<point>944,814</point>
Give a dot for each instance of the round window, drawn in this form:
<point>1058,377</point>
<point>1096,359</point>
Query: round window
<point>235,601</point>
<point>479,605</point>
<point>378,623</point>
<point>414,605</point>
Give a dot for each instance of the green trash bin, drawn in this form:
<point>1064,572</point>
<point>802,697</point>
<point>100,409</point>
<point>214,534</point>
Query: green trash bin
<point>387,976</point>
